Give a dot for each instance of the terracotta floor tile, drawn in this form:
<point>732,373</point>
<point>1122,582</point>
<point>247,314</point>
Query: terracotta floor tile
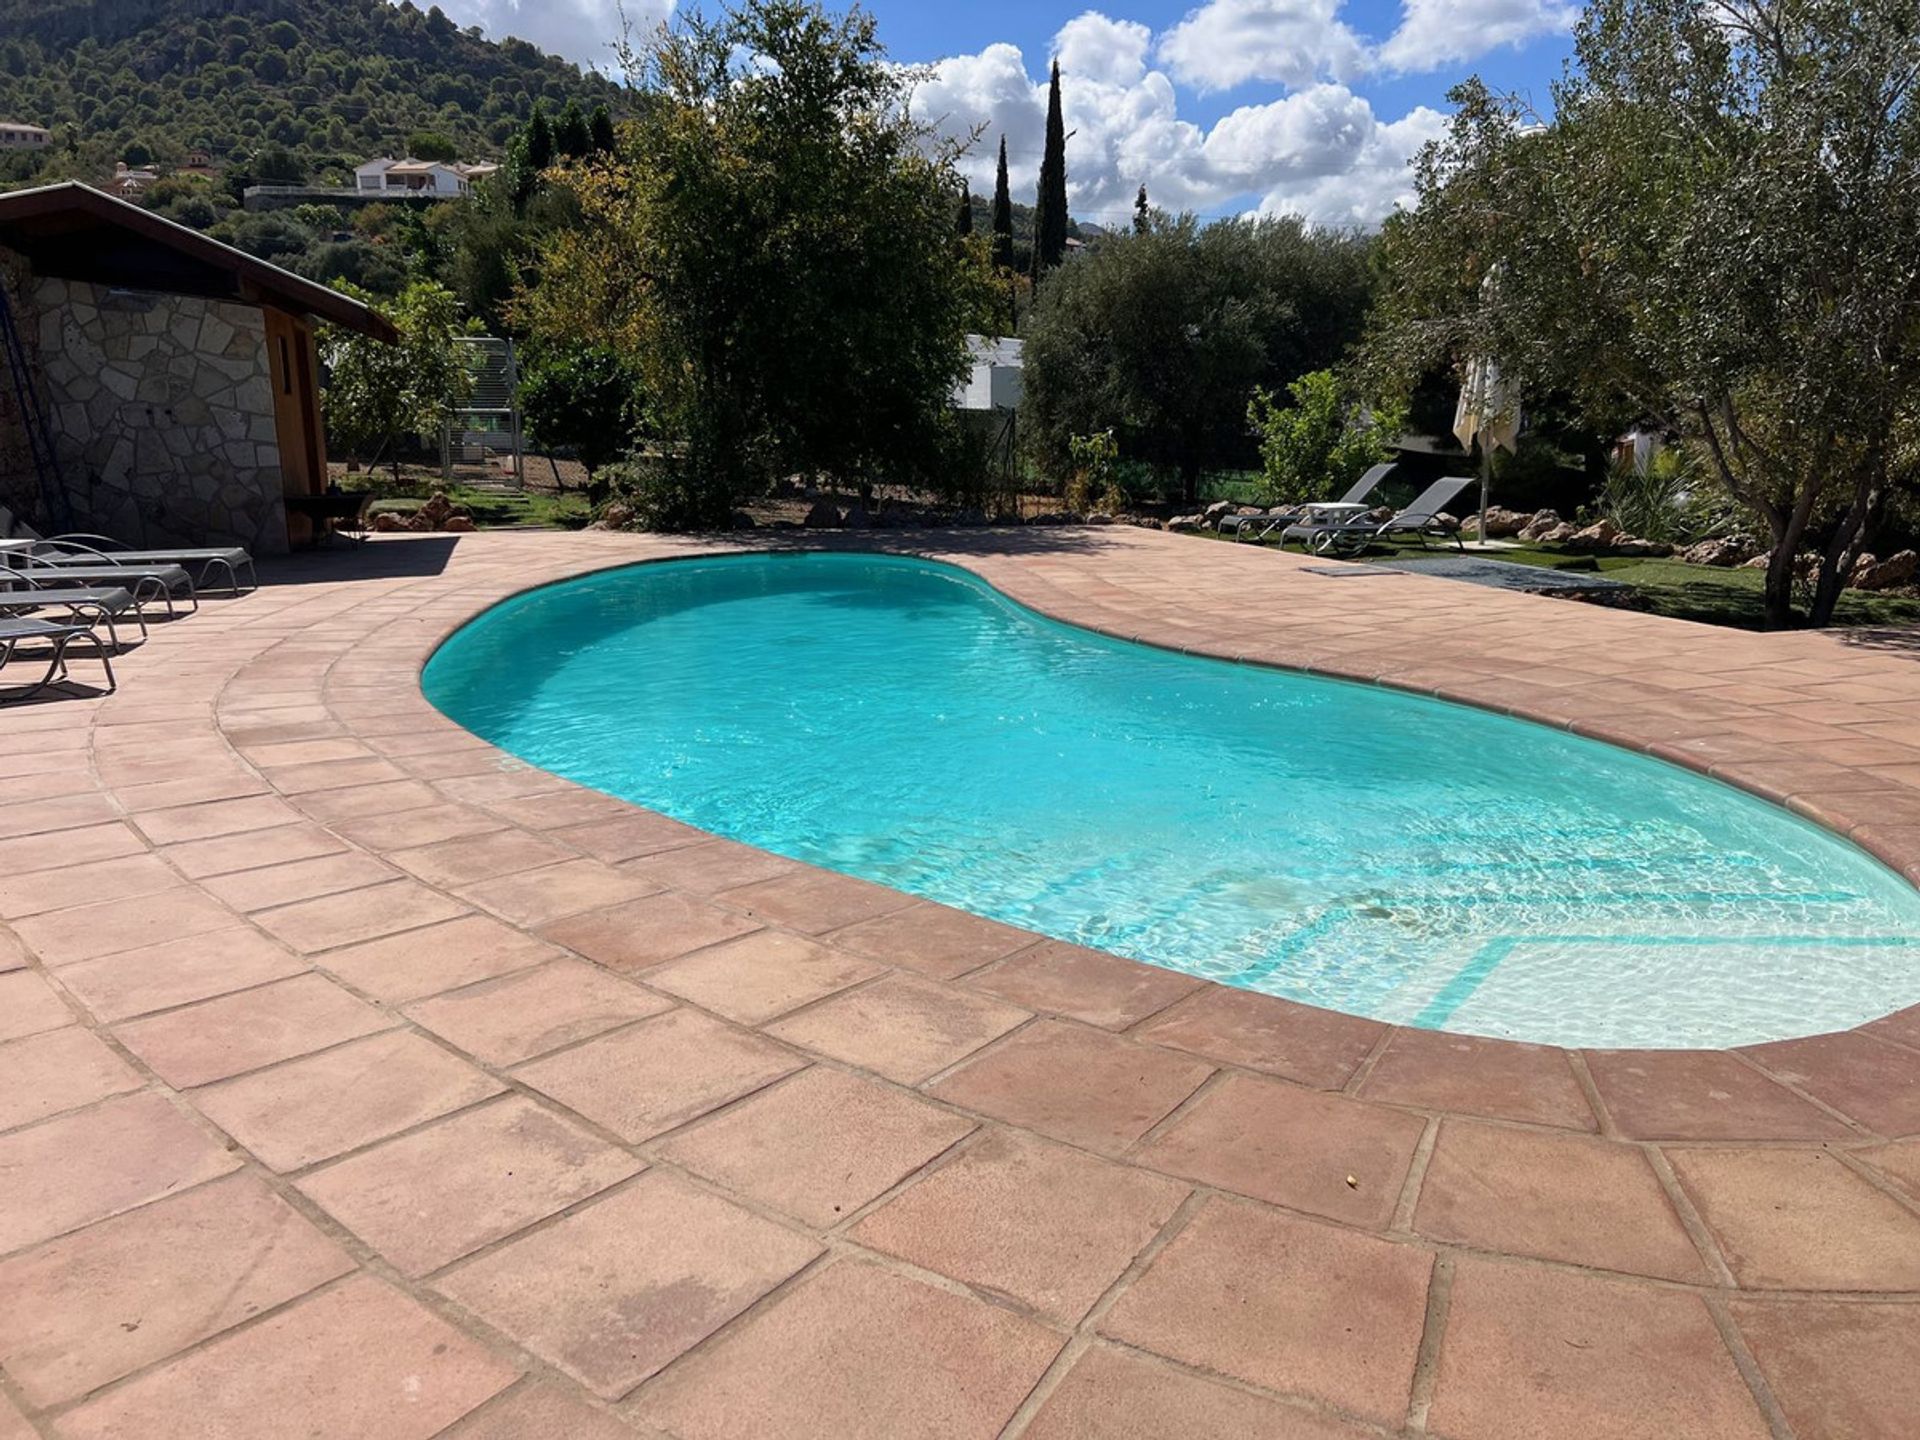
<point>236,1033</point>
<point>34,853</point>
<point>327,1104</point>
<point>335,920</point>
<point>120,879</point>
<point>819,1146</point>
<point>646,932</point>
<point>813,901</point>
<point>158,977</point>
<point>502,1022</point>
<point>1837,1369</point>
<point>1314,1047</point>
<point>65,812</point>
<point>857,1353</point>
<point>297,880</point>
<point>29,1005</point>
<point>1122,1395</point>
<point>198,859</point>
<point>659,1074</point>
<point>13,1425</point>
<point>614,1292</point>
<point>1048,1226</point>
<point>110,926</point>
<point>1570,1198</point>
<point>1702,1095</point>
<point>427,1199</point>
<point>707,869</point>
<point>71,1171</point>
<point>360,1359</point>
<point>1075,1084</point>
<point>1876,1083</point>
<point>333,775</point>
<point>479,857</point>
<point>629,835</point>
<point>540,1412</point>
<point>566,807</point>
<point>902,1027</point>
<point>1899,1163</point>
<point>427,825</point>
<point>1531,1352</point>
<point>1902,1027</point>
<point>13,952</point>
<point>932,939</point>
<point>361,802</point>
<point>1800,1220</point>
<point>216,818</point>
<point>1294,1147</point>
<point>1084,984</point>
<point>758,976</point>
<point>58,1070</point>
<point>1261,1296</point>
<point>541,896</point>
<point>438,957</point>
<point>1466,1075</point>
<point>137,1288</point>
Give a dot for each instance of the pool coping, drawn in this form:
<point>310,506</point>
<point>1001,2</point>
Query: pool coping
<point>298,712</point>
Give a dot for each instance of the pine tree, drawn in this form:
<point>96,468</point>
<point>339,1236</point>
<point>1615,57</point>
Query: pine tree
<point>1050,214</point>
<point>601,127</point>
<point>964,221</point>
<point>1002,215</point>
<point>539,139</point>
<point>1142,213</point>
<point>571,135</point>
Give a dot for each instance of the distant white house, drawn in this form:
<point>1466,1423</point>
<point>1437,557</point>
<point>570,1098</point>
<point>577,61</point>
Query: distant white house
<point>15,136</point>
<point>387,176</point>
<point>995,377</point>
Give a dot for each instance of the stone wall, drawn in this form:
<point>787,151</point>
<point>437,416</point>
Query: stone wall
<point>163,410</point>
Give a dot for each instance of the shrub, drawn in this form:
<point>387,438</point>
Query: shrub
<point>1319,445</point>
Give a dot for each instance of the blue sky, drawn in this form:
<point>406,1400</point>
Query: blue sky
<point>1310,107</point>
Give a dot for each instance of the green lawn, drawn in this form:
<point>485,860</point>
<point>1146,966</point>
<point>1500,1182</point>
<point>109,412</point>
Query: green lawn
<point>491,509</point>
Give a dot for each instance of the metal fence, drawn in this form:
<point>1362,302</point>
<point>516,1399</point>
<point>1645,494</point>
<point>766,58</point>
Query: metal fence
<point>485,434</point>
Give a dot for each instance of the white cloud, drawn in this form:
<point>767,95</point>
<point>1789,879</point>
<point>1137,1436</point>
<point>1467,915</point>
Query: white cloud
<point>1226,43</point>
<point>1434,33</point>
<point>1320,152</point>
<point>584,31</point>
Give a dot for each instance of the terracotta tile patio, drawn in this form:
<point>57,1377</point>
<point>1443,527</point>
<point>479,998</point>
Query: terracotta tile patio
<point>358,1080</point>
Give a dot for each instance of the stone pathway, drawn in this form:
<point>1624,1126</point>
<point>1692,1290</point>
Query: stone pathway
<point>358,1080</point>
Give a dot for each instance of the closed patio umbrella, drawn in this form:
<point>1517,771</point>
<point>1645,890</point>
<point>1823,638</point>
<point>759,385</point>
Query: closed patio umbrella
<point>1489,412</point>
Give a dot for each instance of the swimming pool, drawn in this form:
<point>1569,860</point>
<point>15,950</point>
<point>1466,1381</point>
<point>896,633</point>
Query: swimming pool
<point>1346,845</point>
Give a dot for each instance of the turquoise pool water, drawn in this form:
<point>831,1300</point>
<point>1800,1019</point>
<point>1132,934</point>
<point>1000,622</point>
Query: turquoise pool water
<point>1341,844</point>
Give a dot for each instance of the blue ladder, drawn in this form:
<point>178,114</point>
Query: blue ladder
<point>33,419</point>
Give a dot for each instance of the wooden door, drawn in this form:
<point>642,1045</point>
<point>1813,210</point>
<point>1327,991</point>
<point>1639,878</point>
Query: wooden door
<point>294,369</point>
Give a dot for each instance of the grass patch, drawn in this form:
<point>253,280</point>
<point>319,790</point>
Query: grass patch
<point>491,509</point>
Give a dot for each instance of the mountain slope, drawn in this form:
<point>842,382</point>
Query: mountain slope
<point>331,81</point>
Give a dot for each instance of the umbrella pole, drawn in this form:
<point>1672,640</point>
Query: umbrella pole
<point>1486,485</point>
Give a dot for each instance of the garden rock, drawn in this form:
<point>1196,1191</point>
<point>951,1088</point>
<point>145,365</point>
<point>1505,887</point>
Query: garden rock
<point>386,522</point>
<point>1724,553</point>
<point>1559,534</point>
<point>458,525</point>
<point>1099,517</point>
<point>1599,536</point>
<point>1540,525</point>
<point>617,516</point>
<point>1888,574</point>
<point>1644,549</point>
<point>1216,512</point>
<point>1502,524</point>
<point>743,521</point>
<point>823,516</point>
<point>1185,524</point>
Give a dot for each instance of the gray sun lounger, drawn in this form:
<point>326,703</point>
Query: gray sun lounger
<point>145,582</point>
<point>1258,527</point>
<point>1420,519</point>
<point>18,630</point>
<point>204,561</point>
<point>86,604</point>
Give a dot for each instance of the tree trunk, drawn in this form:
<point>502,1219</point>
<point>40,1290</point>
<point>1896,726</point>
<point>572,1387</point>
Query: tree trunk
<point>1779,592</point>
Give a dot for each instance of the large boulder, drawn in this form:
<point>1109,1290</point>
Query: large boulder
<point>1185,524</point>
<point>1502,524</point>
<point>1724,553</point>
<point>1211,517</point>
<point>386,522</point>
<point>1645,549</point>
<point>823,516</point>
<point>1560,534</point>
<point>1596,537</point>
<point>1539,523</point>
<point>458,525</point>
<point>1887,574</point>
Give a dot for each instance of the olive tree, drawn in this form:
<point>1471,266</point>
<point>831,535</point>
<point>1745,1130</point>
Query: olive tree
<point>1718,229</point>
<point>377,393</point>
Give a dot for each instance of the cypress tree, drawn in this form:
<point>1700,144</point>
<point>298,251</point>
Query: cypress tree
<point>1050,215</point>
<point>539,139</point>
<point>1142,213</point>
<point>1002,215</point>
<point>601,128</point>
<point>964,221</point>
<point>571,135</point>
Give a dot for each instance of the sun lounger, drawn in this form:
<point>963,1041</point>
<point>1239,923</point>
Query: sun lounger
<point>86,604</point>
<point>203,560</point>
<point>1420,519</point>
<point>18,630</point>
<point>1258,527</point>
<point>145,582</point>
